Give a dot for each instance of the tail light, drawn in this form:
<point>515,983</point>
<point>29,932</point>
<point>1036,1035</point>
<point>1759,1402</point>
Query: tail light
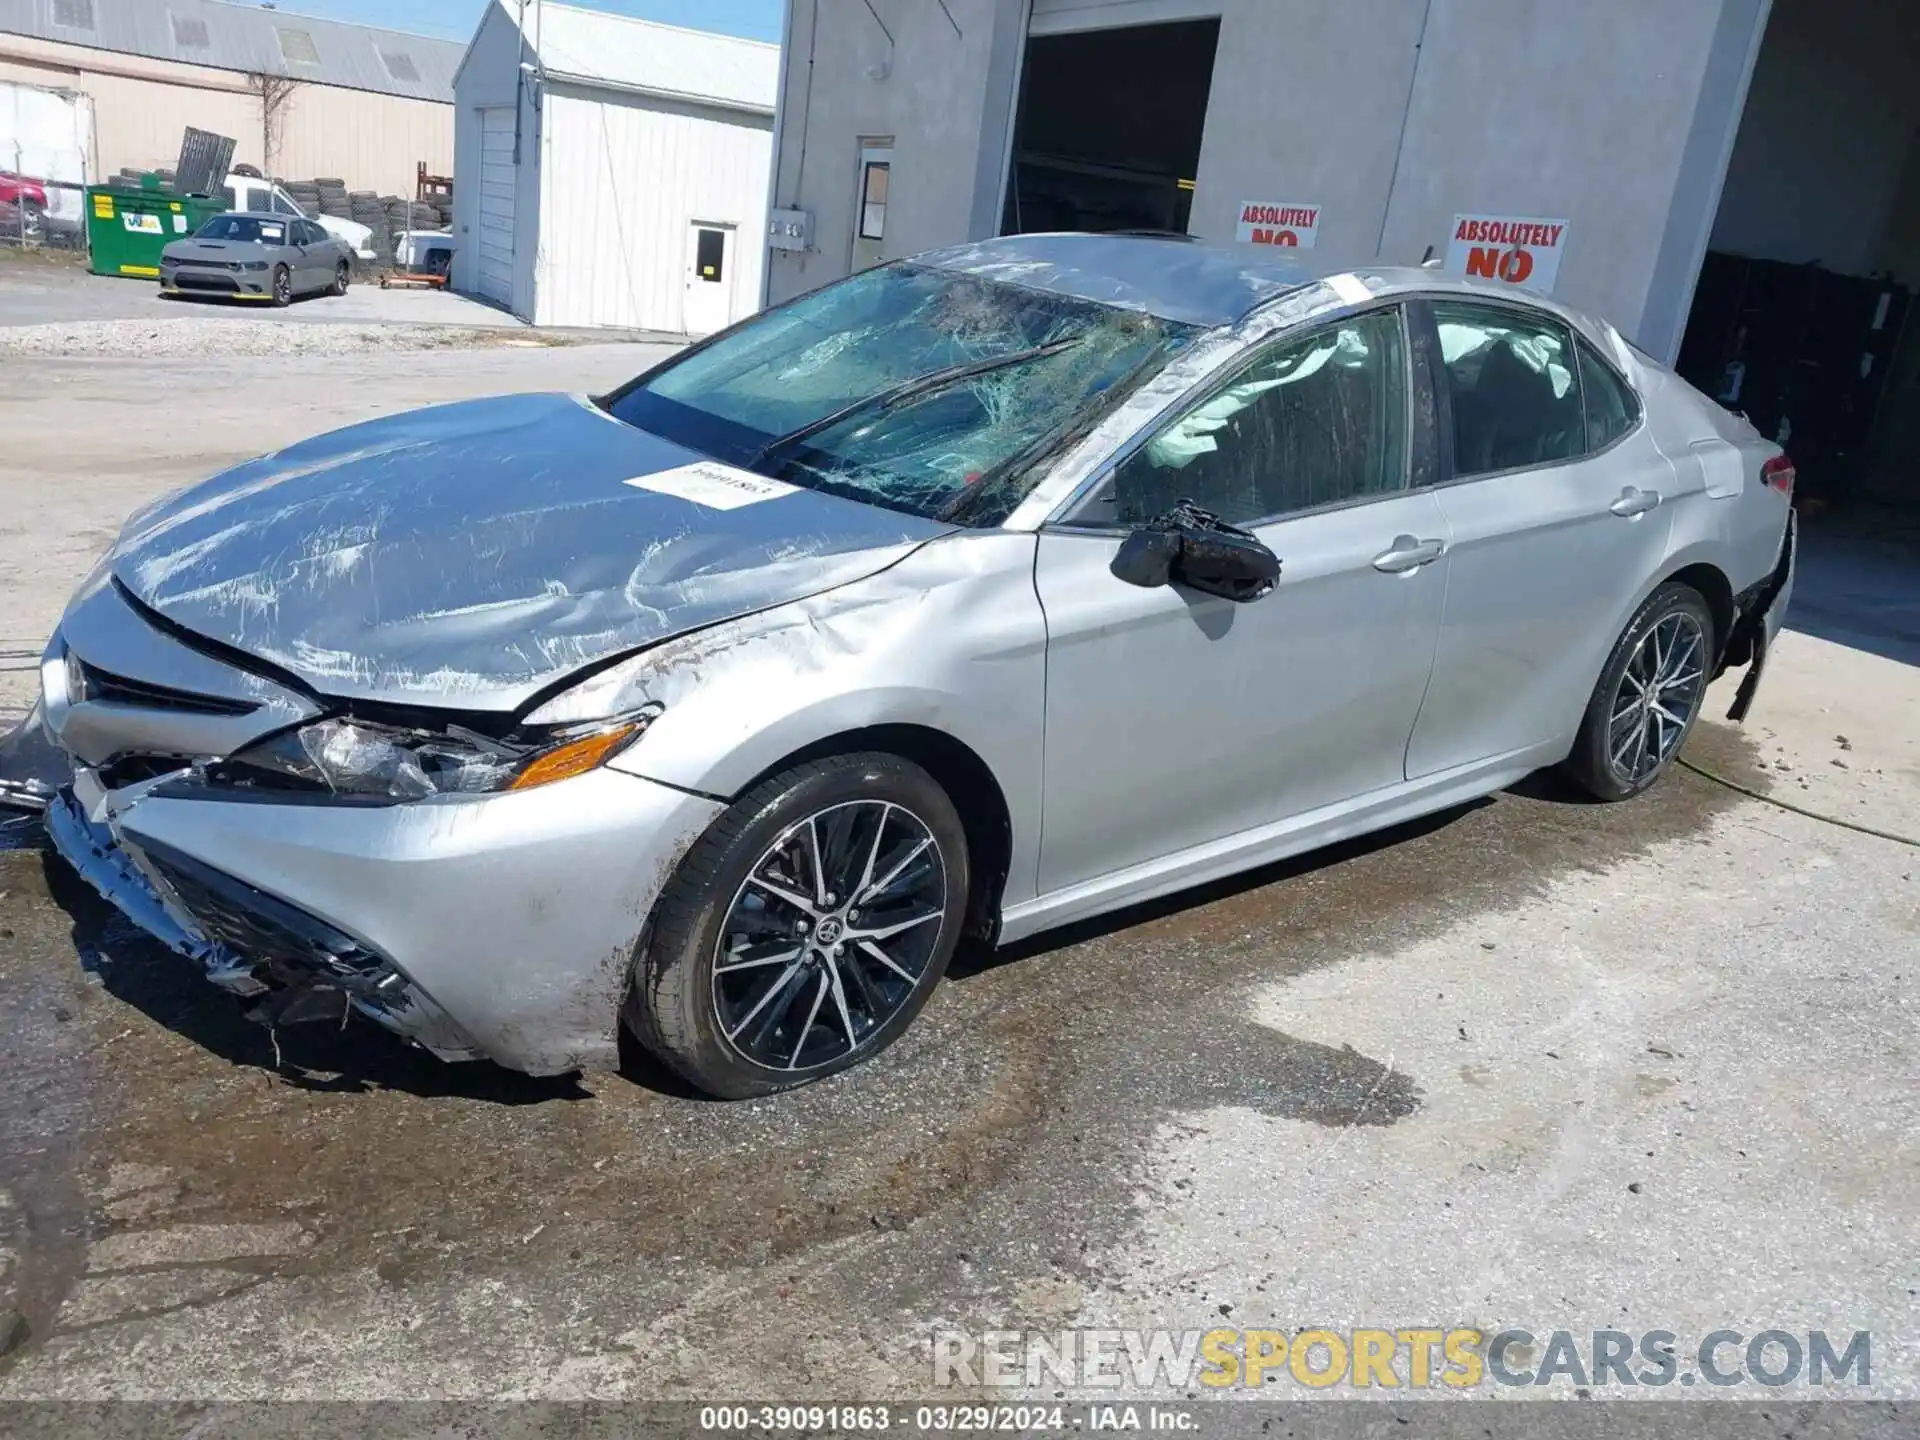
<point>1778,472</point>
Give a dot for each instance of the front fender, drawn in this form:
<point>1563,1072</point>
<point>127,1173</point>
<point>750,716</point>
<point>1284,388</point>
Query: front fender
<point>951,639</point>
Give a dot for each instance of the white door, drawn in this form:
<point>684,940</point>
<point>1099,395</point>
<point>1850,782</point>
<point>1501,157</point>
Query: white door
<point>709,303</point>
<point>497,174</point>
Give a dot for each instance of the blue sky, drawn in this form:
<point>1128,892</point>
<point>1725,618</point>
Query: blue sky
<point>457,19</point>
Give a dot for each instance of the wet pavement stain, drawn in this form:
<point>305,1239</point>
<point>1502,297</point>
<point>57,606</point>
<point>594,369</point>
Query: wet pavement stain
<point>1024,1100</point>
<point>46,1107</point>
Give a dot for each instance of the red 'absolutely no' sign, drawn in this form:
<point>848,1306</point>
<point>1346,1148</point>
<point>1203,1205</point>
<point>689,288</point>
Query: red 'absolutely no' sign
<point>1273,222</point>
<point>1510,249</point>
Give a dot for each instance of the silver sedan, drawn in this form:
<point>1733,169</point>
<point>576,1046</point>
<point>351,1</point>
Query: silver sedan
<point>240,256</point>
<point>967,597</point>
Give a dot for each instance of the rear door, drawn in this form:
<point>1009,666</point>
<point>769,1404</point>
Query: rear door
<point>1174,718</point>
<point>1560,506</point>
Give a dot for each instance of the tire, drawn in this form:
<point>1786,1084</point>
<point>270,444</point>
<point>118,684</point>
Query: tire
<point>1624,744</point>
<point>341,276</point>
<point>775,1022</point>
<point>282,287</point>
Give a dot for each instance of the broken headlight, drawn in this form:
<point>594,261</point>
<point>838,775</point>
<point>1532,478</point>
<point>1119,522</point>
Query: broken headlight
<point>364,760</point>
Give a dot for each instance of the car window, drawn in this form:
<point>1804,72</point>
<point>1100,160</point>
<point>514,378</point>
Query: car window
<point>1516,401</point>
<point>1611,408</point>
<point>965,448</point>
<point>281,205</point>
<point>1312,421</point>
<point>243,229</point>
<point>227,195</point>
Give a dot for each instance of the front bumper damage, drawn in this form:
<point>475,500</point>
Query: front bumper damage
<point>32,767</point>
<point>499,927</point>
<point>291,965</point>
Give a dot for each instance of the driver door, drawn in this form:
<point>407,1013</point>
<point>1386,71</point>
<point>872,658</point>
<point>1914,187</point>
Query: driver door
<point>1174,718</point>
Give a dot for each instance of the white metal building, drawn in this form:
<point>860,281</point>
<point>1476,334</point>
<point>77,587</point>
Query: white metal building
<point>369,105</point>
<point>612,172</point>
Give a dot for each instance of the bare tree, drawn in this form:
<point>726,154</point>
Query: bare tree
<point>275,94</point>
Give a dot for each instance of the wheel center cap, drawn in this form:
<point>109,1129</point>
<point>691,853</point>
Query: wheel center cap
<point>829,931</point>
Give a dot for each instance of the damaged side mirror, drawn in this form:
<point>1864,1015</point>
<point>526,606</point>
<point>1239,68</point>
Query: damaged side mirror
<point>1195,548</point>
<point>1146,558</point>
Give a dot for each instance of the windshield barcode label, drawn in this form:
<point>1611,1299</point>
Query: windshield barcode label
<point>715,486</point>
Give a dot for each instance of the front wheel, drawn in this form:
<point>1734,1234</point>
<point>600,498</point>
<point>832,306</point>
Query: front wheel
<point>282,287</point>
<point>1648,696</point>
<point>805,929</point>
<point>340,279</point>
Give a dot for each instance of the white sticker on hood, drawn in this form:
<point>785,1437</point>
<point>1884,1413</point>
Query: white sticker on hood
<point>718,487</point>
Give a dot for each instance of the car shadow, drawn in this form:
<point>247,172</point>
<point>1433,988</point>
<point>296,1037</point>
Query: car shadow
<point>975,958</point>
<point>212,301</point>
<point>351,1056</point>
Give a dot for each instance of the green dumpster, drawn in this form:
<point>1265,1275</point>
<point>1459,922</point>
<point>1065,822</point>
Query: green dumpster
<point>128,227</point>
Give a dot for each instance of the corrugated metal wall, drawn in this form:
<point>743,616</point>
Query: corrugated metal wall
<point>623,180</point>
<point>142,106</point>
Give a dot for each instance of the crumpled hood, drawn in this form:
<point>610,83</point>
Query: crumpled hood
<point>472,555</point>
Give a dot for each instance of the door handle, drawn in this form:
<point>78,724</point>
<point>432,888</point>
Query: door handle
<point>1634,502</point>
<point>1409,553</point>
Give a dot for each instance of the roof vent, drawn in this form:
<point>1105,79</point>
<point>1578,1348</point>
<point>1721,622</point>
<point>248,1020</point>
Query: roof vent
<point>74,14</point>
<point>400,66</point>
<point>189,33</point>
<point>296,46</point>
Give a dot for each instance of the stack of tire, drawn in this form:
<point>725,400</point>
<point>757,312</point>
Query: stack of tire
<point>333,198</point>
<point>369,210</point>
<point>305,194</point>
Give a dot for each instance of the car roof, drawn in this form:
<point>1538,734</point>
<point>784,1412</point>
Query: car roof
<point>1168,276</point>
<point>1195,282</point>
<point>274,216</point>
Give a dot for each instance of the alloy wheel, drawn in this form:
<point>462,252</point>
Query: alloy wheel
<point>1656,698</point>
<point>283,286</point>
<point>829,936</point>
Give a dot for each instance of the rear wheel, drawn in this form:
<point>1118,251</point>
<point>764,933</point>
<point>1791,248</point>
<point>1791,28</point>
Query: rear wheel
<point>282,286</point>
<point>341,275</point>
<point>805,930</point>
<point>1648,696</point>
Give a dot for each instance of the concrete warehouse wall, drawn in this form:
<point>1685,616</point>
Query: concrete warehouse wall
<point>1826,134</point>
<point>141,107</point>
<point>1617,117</point>
<point>946,100</point>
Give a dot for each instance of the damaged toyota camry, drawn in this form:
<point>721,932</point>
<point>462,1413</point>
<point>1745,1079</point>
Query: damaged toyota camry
<point>966,597</point>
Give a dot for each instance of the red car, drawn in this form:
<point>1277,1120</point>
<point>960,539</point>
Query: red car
<point>17,188</point>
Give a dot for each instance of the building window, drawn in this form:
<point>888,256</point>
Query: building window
<point>710,255</point>
<point>296,46</point>
<point>74,14</point>
<point>400,66</point>
<point>189,33</point>
<point>874,178</point>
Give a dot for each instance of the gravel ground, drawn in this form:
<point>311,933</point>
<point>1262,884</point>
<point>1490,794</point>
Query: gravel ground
<point>209,336</point>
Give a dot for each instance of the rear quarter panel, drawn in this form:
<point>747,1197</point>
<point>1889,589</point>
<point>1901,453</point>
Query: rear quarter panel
<point>1726,516</point>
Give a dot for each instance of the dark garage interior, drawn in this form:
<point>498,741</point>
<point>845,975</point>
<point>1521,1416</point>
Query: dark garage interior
<point>1803,315</point>
<point>1107,135</point>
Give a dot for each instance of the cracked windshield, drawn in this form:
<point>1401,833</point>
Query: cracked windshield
<point>914,388</point>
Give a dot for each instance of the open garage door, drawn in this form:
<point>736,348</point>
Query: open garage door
<point>1802,314</point>
<point>497,176</point>
<point>1108,131</point>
